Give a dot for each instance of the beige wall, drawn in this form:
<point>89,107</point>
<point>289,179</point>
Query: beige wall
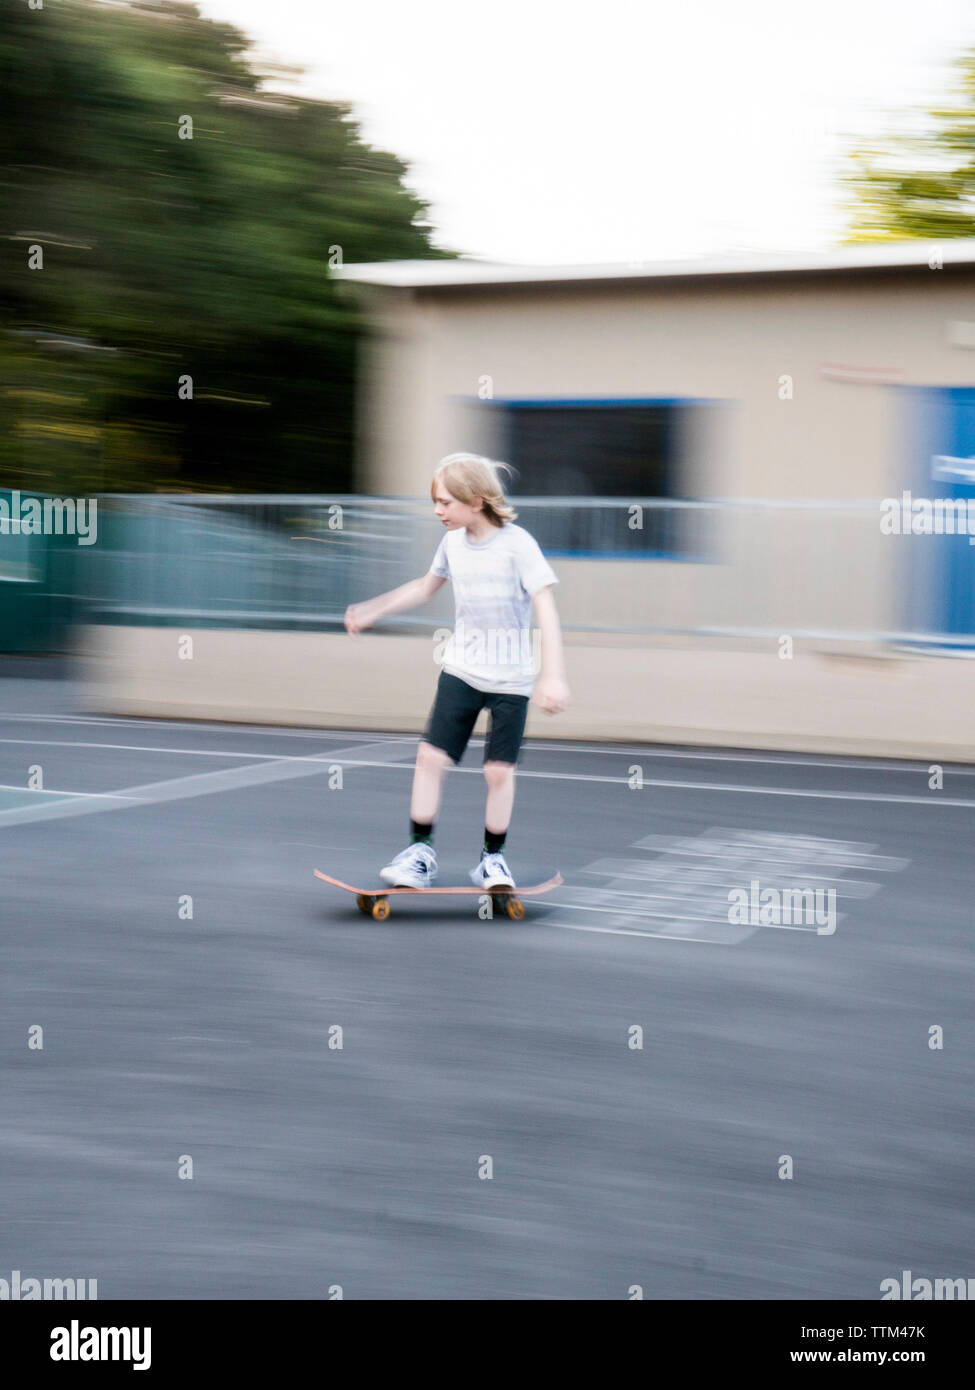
<point>889,706</point>
<point>779,572</point>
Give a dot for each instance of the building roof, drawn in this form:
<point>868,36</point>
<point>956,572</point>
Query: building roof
<point>468,273</point>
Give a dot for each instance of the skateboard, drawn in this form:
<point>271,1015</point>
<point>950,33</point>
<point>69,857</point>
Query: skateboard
<point>374,902</point>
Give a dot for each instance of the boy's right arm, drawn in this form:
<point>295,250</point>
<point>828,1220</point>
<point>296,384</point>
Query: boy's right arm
<point>410,595</point>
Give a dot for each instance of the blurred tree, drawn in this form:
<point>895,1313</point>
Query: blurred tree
<point>166,257</point>
<point>920,184</point>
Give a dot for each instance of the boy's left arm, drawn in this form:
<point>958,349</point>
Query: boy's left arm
<point>551,690</point>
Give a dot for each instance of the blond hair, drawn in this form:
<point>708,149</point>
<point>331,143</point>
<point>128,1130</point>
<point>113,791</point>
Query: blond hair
<point>469,476</point>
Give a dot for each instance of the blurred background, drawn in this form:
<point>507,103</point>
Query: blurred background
<point>233,321</point>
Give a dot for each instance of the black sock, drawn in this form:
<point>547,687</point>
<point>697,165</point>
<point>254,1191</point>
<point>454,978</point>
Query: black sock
<point>493,843</point>
<point>419,831</point>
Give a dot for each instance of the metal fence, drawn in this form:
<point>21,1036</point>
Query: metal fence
<point>742,568</point>
<point>297,562</point>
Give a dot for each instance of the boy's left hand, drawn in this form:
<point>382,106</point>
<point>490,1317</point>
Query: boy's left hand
<point>551,694</point>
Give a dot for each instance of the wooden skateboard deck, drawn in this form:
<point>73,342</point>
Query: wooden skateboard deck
<point>373,901</point>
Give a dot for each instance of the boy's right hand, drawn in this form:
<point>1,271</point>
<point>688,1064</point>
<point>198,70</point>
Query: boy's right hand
<point>357,617</point>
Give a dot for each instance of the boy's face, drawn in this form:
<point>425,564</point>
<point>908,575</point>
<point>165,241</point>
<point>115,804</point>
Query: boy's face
<point>452,512</point>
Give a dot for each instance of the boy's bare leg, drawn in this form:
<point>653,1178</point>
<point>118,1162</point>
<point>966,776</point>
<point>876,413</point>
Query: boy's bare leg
<point>428,775</point>
<point>500,778</point>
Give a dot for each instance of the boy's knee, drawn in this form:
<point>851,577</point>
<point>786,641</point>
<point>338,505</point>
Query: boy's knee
<point>497,774</point>
<point>429,756</point>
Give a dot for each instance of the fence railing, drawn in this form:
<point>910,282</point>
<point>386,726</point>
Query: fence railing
<point>760,568</point>
<point>299,561</point>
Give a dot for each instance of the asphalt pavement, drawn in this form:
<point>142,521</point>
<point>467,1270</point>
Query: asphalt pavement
<point>247,1089</point>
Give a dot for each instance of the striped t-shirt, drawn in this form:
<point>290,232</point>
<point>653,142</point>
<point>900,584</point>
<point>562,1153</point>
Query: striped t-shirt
<point>492,646</point>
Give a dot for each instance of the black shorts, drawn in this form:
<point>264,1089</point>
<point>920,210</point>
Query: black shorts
<point>455,712</point>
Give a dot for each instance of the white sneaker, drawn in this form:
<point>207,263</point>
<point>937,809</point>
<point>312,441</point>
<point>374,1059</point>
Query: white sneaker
<point>413,867</point>
<point>492,872</point>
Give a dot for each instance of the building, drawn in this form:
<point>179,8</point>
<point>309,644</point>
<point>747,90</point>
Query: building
<point>711,453</point>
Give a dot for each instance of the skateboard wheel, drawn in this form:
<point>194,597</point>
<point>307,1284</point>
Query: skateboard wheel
<point>380,909</point>
<point>515,909</point>
<point>363,903</point>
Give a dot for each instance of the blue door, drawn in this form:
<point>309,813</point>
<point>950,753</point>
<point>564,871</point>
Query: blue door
<point>940,438</point>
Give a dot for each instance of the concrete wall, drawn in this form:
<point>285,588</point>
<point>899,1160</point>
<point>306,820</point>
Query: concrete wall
<point>888,705</point>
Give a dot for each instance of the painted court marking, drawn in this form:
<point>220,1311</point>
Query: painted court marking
<point>683,891</point>
<point>181,788</point>
<point>670,784</point>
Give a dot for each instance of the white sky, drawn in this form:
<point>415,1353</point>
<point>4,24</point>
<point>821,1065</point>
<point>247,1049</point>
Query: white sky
<point>553,131</point>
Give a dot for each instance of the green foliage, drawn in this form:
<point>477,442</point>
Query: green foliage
<point>920,185</point>
<point>166,256</point>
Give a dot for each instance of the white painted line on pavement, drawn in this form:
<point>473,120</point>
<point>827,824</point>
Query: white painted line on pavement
<point>152,748</point>
<point>53,791</point>
<point>180,788</point>
<point>134,748</point>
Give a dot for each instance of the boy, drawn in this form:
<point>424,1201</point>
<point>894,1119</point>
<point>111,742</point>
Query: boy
<point>497,571</point>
